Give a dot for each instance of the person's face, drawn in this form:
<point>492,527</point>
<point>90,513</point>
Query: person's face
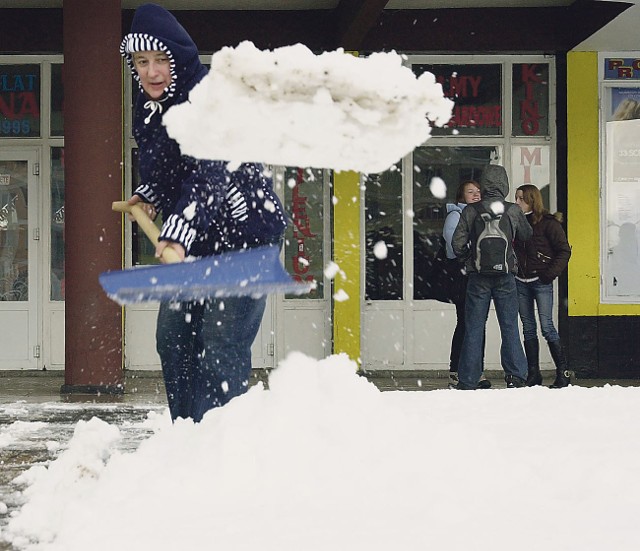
<point>154,71</point>
<point>471,194</point>
<point>520,201</point>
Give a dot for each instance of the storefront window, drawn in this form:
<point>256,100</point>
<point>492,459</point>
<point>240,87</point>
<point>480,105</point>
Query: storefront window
<point>622,238</point>
<point>453,165</point>
<point>19,101</point>
<point>57,100</point>
<point>304,247</point>
<point>14,234</point>
<point>477,92</point>
<point>530,96</point>
<point>57,224</point>
<point>383,226</point>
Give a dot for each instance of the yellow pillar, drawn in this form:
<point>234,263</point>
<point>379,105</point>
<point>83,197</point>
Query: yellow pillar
<point>583,182</point>
<point>346,254</point>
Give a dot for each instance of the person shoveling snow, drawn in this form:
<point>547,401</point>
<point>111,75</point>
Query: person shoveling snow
<point>199,138</point>
<point>207,210</point>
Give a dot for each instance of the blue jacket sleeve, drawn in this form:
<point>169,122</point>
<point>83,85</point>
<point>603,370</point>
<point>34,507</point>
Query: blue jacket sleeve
<point>450,224</point>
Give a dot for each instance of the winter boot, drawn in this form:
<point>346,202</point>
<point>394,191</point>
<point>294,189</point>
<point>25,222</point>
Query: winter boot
<point>484,383</point>
<point>562,374</point>
<point>532,351</point>
<point>514,382</point>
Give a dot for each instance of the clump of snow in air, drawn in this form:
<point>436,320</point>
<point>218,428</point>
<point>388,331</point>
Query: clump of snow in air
<point>190,210</point>
<point>331,270</point>
<point>324,460</point>
<point>380,250</point>
<point>289,106</point>
<point>341,295</point>
<point>438,188</point>
<point>497,207</point>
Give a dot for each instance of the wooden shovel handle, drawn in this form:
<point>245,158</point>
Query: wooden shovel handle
<point>147,226</point>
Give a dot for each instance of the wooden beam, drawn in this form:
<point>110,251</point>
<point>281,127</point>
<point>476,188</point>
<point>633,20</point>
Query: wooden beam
<point>354,19</point>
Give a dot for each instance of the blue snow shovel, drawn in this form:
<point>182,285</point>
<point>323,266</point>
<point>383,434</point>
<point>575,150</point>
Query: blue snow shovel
<point>256,271</point>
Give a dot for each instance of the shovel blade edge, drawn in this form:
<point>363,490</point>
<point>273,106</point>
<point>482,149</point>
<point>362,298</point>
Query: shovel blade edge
<point>252,272</point>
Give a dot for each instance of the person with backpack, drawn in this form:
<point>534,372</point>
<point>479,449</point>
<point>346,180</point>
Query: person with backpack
<point>541,259</point>
<point>467,192</point>
<point>483,240</point>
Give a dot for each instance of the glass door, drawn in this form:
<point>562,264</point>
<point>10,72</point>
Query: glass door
<point>19,239</point>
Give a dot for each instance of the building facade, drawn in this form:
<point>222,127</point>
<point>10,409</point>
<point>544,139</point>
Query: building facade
<point>523,97</point>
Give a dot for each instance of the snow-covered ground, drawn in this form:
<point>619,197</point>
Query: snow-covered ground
<point>324,460</point>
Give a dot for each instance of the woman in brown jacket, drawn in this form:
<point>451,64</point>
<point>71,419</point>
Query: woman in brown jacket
<point>541,259</point>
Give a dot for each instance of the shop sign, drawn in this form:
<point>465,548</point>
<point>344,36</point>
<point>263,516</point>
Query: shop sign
<point>530,99</point>
<point>530,165</point>
<point>619,68</point>
<point>303,247</point>
<point>19,100</point>
<point>476,90</point>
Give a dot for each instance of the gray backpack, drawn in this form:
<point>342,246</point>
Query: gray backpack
<point>491,240</point>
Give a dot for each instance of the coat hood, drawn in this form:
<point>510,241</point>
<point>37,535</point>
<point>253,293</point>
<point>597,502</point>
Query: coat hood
<point>455,207</point>
<point>154,28</point>
<point>494,182</point>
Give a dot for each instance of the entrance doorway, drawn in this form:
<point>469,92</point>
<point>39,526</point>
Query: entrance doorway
<point>19,253</point>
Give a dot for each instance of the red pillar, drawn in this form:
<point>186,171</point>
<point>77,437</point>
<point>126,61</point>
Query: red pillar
<point>93,179</point>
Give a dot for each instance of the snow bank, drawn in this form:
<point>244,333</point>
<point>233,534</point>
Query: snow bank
<point>323,460</point>
<point>292,107</point>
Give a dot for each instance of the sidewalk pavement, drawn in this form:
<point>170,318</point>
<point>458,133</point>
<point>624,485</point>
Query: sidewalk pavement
<point>147,386</point>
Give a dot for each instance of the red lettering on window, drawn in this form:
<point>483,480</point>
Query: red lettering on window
<point>529,74</point>
<point>29,105</point>
<point>528,159</point>
<point>625,72</point>
<point>8,111</point>
<point>615,63</point>
<point>20,104</point>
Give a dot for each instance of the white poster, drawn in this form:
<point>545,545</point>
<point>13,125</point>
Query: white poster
<point>622,253</point>
<point>530,165</point>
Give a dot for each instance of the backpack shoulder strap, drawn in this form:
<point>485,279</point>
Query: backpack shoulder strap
<point>480,208</point>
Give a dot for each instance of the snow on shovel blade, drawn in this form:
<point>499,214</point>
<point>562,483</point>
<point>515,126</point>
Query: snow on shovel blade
<point>291,107</point>
<point>255,271</point>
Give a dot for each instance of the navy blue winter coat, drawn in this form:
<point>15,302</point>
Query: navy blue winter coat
<point>205,207</point>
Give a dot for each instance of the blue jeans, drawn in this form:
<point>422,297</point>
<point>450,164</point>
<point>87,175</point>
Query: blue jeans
<point>529,295</point>
<point>481,290</point>
<point>205,351</point>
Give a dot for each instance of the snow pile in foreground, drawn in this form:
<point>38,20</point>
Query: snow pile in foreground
<point>323,460</point>
<point>291,107</point>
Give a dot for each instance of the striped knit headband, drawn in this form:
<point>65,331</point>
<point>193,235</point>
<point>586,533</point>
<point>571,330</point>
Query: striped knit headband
<point>142,42</point>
